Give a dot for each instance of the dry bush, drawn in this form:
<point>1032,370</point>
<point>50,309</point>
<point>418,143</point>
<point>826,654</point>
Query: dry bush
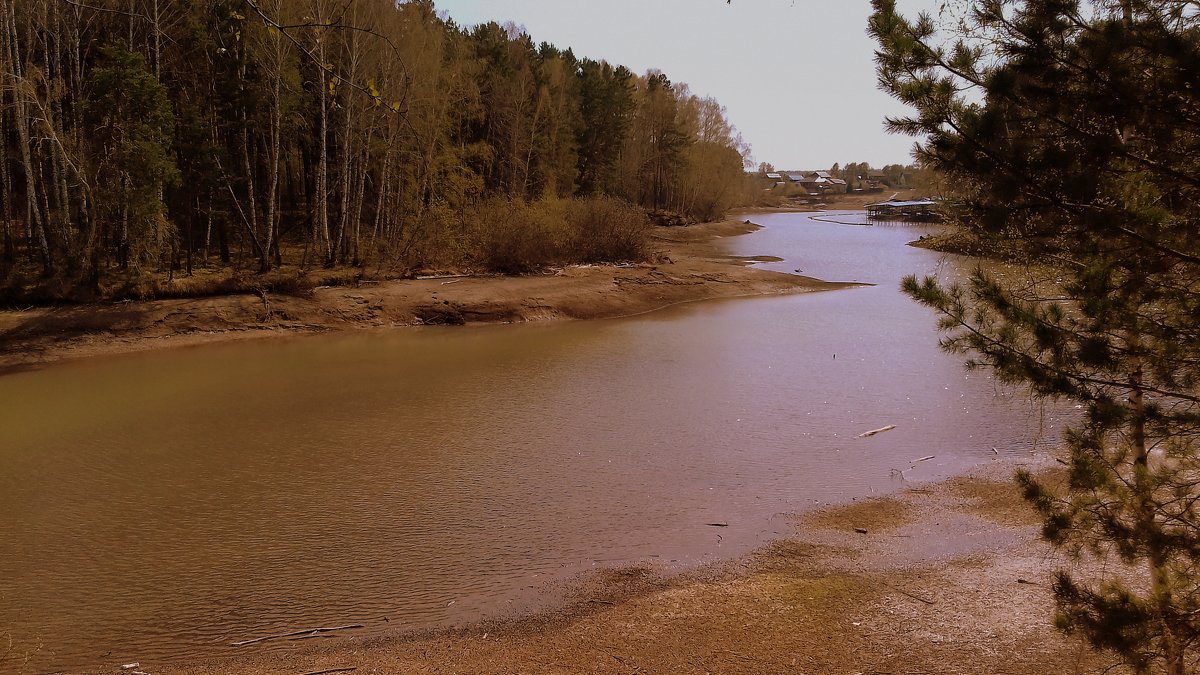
<point>513,237</point>
<point>440,240</point>
<point>605,229</point>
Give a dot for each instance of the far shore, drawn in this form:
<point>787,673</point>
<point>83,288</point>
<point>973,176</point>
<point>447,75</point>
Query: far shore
<point>689,265</point>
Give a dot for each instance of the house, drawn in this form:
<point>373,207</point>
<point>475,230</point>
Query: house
<point>775,177</point>
<point>813,186</point>
<point>825,182</point>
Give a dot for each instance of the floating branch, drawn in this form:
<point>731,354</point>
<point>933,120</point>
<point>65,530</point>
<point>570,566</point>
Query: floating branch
<point>868,434</point>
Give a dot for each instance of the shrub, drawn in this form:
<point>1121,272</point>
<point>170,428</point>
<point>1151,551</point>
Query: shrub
<point>605,229</point>
<point>513,237</point>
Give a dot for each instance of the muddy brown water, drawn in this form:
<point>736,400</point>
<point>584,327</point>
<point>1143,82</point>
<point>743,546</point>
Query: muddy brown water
<point>159,507</point>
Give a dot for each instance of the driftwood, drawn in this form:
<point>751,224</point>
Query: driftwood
<point>717,524</point>
<point>347,669</point>
<point>442,276</point>
<point>598,602</point>
<point>868,434</point>
<point>923,459</point>
<point>294,634</point>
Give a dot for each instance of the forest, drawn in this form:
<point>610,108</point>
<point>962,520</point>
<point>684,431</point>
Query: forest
<point>159,147</point>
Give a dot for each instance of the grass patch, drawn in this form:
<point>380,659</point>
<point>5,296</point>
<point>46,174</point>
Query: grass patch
<point>872,515</point>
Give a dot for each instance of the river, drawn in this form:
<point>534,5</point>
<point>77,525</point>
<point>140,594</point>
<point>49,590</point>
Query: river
<point>161,506</point>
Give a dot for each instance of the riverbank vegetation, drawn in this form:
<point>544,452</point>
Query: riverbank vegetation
<point>248,143</point>
<point>1069,132</point>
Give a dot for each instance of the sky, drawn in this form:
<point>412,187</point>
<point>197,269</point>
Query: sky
<point>797,76</point>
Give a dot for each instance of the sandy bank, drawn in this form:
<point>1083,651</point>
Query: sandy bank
<point>948,578</point>
<point>690,267</point>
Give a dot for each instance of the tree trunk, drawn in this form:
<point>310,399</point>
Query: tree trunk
<point>33,214</point>
<point>277,66</point>
<point>6,194</point>
<point>1172,650</point>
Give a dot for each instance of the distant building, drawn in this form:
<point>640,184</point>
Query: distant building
<point>823,182</point>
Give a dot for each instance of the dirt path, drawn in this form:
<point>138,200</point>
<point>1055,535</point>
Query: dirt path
<point>948,578</point>
<point>690,267</point>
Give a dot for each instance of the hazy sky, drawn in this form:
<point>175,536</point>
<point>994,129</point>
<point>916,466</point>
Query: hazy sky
<point>797,76</point>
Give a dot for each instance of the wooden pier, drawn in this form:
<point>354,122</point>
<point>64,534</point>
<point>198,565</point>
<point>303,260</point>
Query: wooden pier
<point>916,210</point>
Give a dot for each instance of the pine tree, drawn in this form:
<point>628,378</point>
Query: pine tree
<point>132,127</point>
<point>1071,132</point>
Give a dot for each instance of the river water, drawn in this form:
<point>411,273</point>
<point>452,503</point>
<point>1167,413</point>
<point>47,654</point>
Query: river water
<point>161,506</point>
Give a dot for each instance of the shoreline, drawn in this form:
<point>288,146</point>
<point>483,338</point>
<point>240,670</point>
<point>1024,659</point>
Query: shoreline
<point>948,577</point>
<point>691,267</point>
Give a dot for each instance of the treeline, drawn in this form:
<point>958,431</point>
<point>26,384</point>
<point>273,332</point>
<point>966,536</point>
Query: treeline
<point>863,175</point>
<point>895,175</point>
<point>159,137</point>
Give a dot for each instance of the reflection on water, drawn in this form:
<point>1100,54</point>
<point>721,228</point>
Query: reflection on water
<point>164,505</point>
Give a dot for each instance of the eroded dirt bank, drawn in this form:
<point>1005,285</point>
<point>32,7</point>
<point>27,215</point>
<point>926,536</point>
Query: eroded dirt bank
<point>948,578</point>
<point>689,267</point>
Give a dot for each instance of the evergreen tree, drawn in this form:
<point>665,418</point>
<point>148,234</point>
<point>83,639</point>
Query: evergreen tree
<point>132,128</point>
<point>607,106</point>
<point>1069,130</point>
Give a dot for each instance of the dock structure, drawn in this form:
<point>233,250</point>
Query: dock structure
<point>919,210</point>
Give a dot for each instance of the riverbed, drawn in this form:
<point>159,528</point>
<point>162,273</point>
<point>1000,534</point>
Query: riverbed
<point>162,506</point>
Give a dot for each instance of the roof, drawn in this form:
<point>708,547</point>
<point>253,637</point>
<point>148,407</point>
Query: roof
<point>914,202</point>
<point>773,176</point>
<point>795,177</point>
<point>822,174</point>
